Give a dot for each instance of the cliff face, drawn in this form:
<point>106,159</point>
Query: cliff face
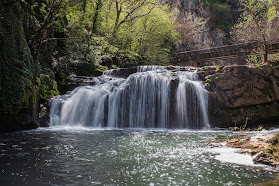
<point>240,93</point>
<point>19,88</point>
<point>204,36</point>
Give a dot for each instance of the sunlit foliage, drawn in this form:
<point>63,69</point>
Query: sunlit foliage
<point>111,28</point>
<point>259,22</point>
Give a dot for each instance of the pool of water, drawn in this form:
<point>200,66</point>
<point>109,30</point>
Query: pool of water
<point>84,156</point>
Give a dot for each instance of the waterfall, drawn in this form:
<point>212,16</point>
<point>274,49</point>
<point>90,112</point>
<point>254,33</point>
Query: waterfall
<point>191,107</point>
<point>150,97</point>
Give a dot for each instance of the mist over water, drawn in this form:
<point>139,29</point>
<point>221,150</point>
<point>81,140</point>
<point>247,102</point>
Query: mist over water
<point>153,97</point>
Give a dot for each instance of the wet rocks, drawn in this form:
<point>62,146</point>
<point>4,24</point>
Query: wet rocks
<point>122,72</point>
<point>263,147</point>
<point>265,159</point>
<point>75,81</point>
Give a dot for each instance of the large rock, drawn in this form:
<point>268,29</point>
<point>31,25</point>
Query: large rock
<point>239,94</point>
<point>75,81</point>
<point>25,117</point>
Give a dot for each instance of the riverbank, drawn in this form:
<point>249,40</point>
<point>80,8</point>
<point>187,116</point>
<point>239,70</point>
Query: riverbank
<point>263,146</point>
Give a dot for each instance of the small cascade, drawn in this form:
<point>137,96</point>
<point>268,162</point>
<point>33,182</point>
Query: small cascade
<point>191,106</point>
<point>149,68</point>
<point>148,97</point>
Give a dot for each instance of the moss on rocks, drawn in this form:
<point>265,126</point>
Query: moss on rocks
<point>19,86</point>
<point>17,66</point>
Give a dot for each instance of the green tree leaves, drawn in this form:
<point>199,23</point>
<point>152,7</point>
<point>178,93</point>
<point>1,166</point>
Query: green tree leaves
<point>141,26</point>
<point>259,23</point>
<point>221,17</point>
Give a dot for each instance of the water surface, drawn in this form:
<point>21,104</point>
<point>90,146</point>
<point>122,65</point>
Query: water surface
<point>79,156</point>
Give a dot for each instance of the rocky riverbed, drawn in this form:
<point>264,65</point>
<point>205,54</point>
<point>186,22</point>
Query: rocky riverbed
<point>263,146</point>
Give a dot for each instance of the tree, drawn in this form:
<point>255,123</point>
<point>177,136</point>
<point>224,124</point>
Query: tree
<point>130,9</point>
<point>259,23</point>
<point>221,16</point>
<point>118,29</point>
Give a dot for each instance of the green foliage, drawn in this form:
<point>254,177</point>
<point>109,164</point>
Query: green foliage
<point>101,68</point>
<point>216,78</point>
<point>258,22</point>
<point>142,31</point>
<point>16,63</point>
<point>221,16</point>
<point>252,58</point>
<point>243,127</point>
<point>84,69</point>
<point>120,58</point>
<point>255,58</point>
<point>48,88</point>
<point>273,58</point>
<point>126,32</point>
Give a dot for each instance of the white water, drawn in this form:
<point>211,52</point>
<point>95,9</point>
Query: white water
<point>230,155</point>
<point>151,98</point>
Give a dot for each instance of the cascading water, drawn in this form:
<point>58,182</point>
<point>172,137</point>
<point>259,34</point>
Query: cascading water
<point>152,97</point>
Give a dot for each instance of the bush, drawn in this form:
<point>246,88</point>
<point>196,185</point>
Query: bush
<point>84,69</point>
<point>221,16</point>
<point>48,88</point>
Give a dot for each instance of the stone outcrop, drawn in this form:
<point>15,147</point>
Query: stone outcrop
<point>207,38</point>
<point>263,147</point>
<point>241,93</point>
<point>75,81</point>
<point>26,117</point>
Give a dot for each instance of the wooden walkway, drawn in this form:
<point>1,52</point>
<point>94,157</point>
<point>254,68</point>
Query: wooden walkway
<point>237,54</point>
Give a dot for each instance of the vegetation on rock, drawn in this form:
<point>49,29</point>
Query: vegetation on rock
<point>60,38</point>
<point>223,14</point>
<point>17,66</point>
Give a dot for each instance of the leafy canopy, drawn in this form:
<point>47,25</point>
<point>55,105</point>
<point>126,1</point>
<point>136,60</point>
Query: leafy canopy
<point>143,27</point>
<point>259,22</point>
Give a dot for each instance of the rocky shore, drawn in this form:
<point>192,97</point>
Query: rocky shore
<point>263,146</point>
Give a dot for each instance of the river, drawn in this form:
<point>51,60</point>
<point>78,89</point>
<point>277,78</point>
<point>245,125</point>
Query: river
<point>87,156</point>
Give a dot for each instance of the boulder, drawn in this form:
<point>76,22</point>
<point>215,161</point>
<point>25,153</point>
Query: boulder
<point>241,93</point>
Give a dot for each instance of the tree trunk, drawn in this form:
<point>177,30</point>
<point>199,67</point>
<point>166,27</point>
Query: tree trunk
<point>46,26</point>
<point>118,12</point>
<point>265,53</point>
<point>95,17</point>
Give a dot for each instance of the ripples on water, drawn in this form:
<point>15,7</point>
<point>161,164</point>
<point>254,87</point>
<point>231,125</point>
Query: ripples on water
<point>72,156</point>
